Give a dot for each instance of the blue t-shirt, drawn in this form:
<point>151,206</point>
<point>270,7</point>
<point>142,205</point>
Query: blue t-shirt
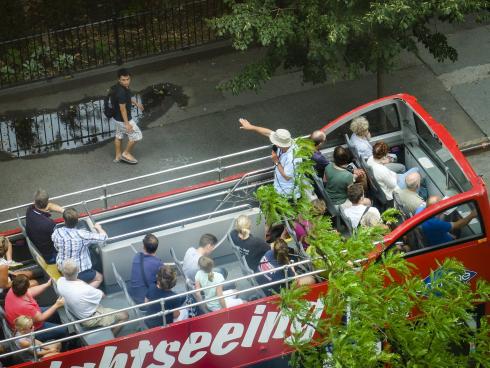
<point>155,293</point>
<point>269,262</point>
<point>436,231</point>
<point>151,265</point>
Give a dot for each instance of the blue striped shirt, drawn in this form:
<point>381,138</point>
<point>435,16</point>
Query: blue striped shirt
<point>73,243</point>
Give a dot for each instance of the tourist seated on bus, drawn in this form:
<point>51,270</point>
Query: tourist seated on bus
<point>318,137</point>
<point>207,276</point>
<point>409,197</point>
<point>302,226</point>
<point>166,278</point>
<point>388,180</point>
<point>40,225</point>
<point>6,275</point>
<point>339,175</point>
<point>251,247</point>
<point>358,210</point>
<point>274,232</point>
<point>23,326</point>
<point>276,257</point>
<point>371,219</point>
<point>83,300</point>
<point>360,139</point>
<point>74,243</point>
<point>437,230</point>
<point>20,302</point>
<point>144,269</point>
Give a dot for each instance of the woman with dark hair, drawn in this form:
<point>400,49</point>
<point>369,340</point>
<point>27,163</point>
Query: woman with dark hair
<point>166,280</point>
<point>277,257</point>
<point>388,180</point>
<point>339,175</point>
<point>20,301</point>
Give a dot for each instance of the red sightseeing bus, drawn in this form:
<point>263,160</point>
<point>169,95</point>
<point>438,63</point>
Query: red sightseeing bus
<point>254,331</point>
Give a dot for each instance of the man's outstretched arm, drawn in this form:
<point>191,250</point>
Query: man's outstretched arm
<point>246,125</point>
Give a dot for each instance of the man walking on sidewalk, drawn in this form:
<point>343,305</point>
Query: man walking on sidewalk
<point>121,101</point>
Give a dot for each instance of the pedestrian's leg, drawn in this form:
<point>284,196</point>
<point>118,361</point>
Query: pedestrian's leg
<point>117,146</point>
<point>129,148</point>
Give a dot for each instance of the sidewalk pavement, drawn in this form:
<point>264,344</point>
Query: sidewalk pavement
<point>454,94</point>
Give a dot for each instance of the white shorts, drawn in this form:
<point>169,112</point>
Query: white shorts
<point>135,135</point>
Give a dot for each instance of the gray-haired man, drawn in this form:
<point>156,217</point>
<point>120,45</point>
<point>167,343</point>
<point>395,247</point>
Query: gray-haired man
<point>83,300</point>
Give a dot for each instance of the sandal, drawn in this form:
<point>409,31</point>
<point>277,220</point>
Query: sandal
<point>129,161</point>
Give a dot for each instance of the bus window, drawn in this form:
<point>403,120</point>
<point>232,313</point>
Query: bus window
<point>439,231</point>
<point>382,120</point>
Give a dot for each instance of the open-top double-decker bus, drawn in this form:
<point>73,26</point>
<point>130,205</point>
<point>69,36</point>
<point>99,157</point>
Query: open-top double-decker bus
<point>179,205</point>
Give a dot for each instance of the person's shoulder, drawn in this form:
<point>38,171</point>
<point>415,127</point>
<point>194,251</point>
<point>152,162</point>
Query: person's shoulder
<point>374,210</point>
<point>218,277</point>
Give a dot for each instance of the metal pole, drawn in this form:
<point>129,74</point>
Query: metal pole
<point>447,177</point>
<point>115,23</point>
<point>219,169</point>
<point>162,304</point>
<point>106,204</point>
<point>33,343</point>
<point>286,276</point>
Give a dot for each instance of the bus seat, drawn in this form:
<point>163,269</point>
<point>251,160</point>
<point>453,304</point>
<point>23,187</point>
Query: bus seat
<point>137,313</point>
<point>331,207</point>
<point>50,269</point>
<point>92,338</point>
<point>346,220</point>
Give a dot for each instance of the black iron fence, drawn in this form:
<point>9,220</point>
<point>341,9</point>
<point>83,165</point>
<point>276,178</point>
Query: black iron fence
<point>179,25</point>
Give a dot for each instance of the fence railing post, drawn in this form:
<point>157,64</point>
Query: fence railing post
<point>115,25</point>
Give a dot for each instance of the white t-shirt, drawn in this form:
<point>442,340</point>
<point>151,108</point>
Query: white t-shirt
<point>81,299</point>
<point>386,178</point>
<point>203,280</point>
<point>354,213</point>
<point>190,263</point>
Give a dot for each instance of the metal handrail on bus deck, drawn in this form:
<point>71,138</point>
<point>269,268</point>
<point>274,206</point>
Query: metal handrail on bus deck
<point>104,187</point>
<point>162,313</point>
<point>243,177</point>
<point>173,223</point>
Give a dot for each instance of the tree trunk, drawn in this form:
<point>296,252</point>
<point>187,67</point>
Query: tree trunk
<point>379,81</point>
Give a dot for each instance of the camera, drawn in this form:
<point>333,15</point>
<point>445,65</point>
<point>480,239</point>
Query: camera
<point>275,148</point>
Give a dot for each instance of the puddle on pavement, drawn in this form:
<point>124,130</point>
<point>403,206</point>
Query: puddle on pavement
<point>77,124</point>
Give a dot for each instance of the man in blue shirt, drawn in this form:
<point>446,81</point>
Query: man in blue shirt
<point>144,269</point>
<point>438,231</point>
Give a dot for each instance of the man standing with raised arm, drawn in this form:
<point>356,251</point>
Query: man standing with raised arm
<point>282,157</point>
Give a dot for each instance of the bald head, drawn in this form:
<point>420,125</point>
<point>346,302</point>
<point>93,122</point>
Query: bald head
<point>412,181</point>
<point>433,200</point>
<point>318,137</point>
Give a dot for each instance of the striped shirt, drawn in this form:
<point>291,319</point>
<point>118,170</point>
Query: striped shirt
<point>74,243</point>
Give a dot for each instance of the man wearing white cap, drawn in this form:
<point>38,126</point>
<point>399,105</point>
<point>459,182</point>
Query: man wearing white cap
<point>283,157</point>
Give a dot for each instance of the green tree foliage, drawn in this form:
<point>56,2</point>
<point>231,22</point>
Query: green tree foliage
<point>337,38</point>
<point>378,312</point>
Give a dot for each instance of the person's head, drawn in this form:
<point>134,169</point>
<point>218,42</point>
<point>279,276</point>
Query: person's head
<point>274,233</point>
<point>341,156</point>
<point>41,199</point>
<point>150,243</point>
<point>70,215</point>
<point>207,244</point>
<point>166,277</point>
<point>281,138</point>
<point>370,219</point>
<point>355,193</point>
<point>206,264</point>
<point>319,207</point>
<point>124,77</point>
<point>23,324</point>
<point>243,225</point>
<point>433,200</point>
<point>380,150</point>
<point>318,137</point>
<point>360,126</point>
<point>70,269</point>
<point>20,285</point>
<point>412,181</point>
<point>4,246</point>
<point>281,252</point>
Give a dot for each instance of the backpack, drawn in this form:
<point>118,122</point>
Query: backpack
<point>109,103</point>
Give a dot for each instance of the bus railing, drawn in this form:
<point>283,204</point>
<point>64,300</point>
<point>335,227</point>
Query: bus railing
<point>163,313</point>
<point>104,188</point>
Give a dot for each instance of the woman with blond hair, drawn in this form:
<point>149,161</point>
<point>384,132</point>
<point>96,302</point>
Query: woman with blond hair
<point>24,325</point>
<point>251,247</point>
